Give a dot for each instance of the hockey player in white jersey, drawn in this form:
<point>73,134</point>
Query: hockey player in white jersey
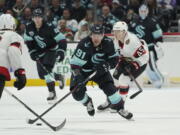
<point>10,52</point>
<point>134,57</point>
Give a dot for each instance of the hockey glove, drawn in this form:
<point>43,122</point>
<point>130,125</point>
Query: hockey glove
<point>35,56</point>
<point>102,68</point>
<point>20,79</point>
<point>59,56</point>
<point>130,66</point>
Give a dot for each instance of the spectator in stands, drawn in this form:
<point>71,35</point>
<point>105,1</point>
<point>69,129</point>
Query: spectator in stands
<point>24,20</point>
<point>66,31</point>
<point>131,15</point>
<point>2,6</point>
<point>9,3</point>
<point>51,19</point>
<point>169,4</point>
<point>87,4</point>
<point>164,16</point>
<point>18,8</point>
<point>97,7</point>
<point>67,4</point>
<point>117,9</point>
<point>82,32</point>
<point>108,19</point>
<point>56,8</point>
<point>78,11</point>
<point>26,16</point>
<point>107,2</point>
<point>89,18</point>
<point>134,5</point>
<point>152,4</point>
<point>34,4</point>
<point>70,23</point>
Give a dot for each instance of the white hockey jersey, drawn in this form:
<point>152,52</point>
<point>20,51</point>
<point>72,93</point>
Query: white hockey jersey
<point>133,49</point>
<point>10,52</point>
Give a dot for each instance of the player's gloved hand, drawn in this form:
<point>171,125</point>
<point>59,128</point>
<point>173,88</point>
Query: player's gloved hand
<point>35,56</point>
<point>20,79</point>
<point>131,66</point>
<point>59,56</point>
<point>102,68</point>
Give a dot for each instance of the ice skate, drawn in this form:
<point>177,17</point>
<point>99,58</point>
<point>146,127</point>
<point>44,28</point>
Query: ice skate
<point>52,98</point>
<point>104,106</point>
<point>125,114</point>
<point>90,107</point>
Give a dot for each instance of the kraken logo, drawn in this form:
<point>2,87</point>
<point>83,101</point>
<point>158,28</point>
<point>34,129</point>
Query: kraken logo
<point>140,31</point>
<point>97,58</point>
<point>40,41</point>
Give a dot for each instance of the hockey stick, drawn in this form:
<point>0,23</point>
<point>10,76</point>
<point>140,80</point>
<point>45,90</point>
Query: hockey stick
<point>140,89</point>
<point>54,128</point>
<point>44,68</point>
<point>31,121</point>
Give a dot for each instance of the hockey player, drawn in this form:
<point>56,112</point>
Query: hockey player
<point>147,28</point>
<point>47,47</point>
<point>10,53</point>
<point>96,53</point>
<point>134,57</point>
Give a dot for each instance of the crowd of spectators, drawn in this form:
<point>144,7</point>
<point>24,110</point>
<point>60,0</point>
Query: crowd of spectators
<point>74,17</point>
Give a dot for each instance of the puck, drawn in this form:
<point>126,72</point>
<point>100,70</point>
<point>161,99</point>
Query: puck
<point>39,124</point>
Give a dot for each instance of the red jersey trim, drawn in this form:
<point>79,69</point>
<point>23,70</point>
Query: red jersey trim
<point>4,71</point>
<point>16,44</point>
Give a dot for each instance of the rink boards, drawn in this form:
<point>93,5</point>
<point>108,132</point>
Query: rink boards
<point>168,65</point>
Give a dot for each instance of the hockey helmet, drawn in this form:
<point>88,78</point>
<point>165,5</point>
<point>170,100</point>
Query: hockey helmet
<point>143,11</point>
<point>121,25</point>
<point>38,12</point>
<point>97,29</point>
<point>7,22</point>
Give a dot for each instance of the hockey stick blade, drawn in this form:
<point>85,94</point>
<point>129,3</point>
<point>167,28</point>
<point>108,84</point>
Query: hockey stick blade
<point>55,128</point>
<point>31,121</point>
<point>28,108</point>
<point>135,94</point>
<point>139,87</point>
<point>60,126</point>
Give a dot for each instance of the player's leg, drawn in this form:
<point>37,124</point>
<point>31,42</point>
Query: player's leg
<point>153,73</point>
<point>2,84</point>
<point>80,95</point>
<point>58,76</point>
<point>117,73</point>
<point>116,102</point>
<point>49,82</point>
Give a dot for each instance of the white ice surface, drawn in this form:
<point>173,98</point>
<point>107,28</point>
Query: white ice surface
<point>156,112</point>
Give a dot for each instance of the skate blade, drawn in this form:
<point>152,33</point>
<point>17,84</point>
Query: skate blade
<point>52,101</point>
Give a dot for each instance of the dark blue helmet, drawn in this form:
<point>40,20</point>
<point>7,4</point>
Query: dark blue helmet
<point>97,29</point>
<point>38,12</point>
